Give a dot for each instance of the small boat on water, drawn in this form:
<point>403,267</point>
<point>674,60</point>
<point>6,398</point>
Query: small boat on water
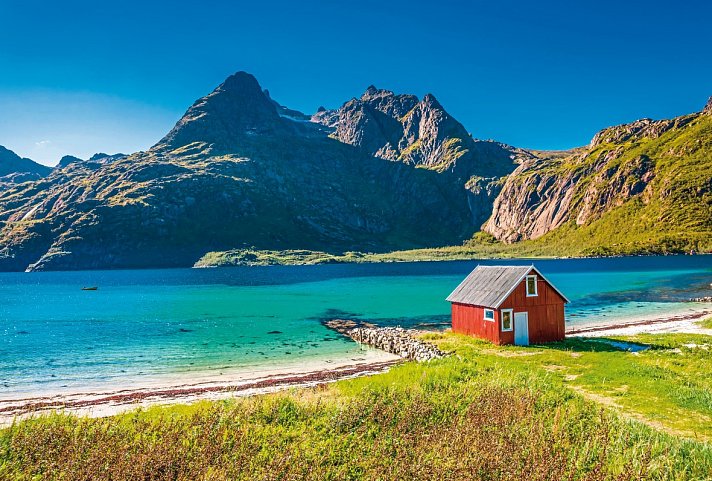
<point>93,288</point>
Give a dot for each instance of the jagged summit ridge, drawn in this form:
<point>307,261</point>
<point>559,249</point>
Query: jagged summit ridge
<point>402,127</point>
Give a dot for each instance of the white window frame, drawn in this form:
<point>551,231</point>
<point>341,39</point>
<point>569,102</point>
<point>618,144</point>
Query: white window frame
<point>536,285</point>
<point>511,319</point>
<point>485,315</point>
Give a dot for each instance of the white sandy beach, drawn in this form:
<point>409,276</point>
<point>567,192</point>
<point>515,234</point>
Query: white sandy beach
<point>680,323</point>
<point>187,388</point>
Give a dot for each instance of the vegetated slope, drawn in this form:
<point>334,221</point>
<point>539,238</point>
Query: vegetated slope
<point>639,187</point>
<point>236,171</point>
<point>15,169</point>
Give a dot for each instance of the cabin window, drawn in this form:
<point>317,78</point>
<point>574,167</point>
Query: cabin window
<point>531,286</point>
<point>489,315</point>
<point>507,315</point>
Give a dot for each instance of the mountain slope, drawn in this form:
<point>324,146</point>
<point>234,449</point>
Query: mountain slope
<point>420,132</point>
<point>15,169</point>
<point>236,171</point>
<point>639,187</point>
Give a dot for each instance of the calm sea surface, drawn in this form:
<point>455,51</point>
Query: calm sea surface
<point>144,323</point>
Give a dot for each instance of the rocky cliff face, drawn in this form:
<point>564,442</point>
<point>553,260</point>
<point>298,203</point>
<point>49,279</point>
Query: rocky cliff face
<point>236,171</point>
<point>15,169</point>
<point>657,173</point>
<point>421,133</point>
<point>416,132</point>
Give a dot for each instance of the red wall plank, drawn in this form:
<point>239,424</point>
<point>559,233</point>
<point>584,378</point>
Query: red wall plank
<point>470,320</point>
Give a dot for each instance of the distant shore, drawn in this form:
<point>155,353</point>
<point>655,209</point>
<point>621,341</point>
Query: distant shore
<point>486,251</point>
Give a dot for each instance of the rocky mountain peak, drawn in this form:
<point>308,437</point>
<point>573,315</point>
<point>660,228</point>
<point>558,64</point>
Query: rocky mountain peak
<point>401,127</point>
<point>708,106</point>
<point>236,108</point>
<point>243,83</point>
<point>373,93</point>
<point>66,160</point>
<point>370,90</point>
<point>11,163</point>
<point>431,101</point>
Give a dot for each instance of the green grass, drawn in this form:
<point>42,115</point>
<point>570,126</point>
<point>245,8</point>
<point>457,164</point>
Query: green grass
<point>254,257</point>
<point>668,385</point>
<point>484,413</point>
<point>706,323</point>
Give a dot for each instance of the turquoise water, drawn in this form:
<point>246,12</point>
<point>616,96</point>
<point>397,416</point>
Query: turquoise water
<point>143,323</point>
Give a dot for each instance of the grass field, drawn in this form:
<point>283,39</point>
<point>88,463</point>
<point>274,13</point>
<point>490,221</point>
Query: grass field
<point>579,410</point>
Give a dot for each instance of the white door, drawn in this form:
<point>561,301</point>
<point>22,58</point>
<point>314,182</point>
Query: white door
<point>521,328</point>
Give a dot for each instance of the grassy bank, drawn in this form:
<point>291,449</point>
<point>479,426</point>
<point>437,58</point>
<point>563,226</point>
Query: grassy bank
<point>555,412</point>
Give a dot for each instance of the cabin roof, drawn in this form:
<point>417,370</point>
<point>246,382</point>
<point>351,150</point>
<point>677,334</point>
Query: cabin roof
<point>489,286</point>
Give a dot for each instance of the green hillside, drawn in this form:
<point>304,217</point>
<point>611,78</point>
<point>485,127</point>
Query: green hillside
<point>649,195</point>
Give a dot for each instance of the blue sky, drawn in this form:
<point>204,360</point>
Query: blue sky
<point>79,77</point>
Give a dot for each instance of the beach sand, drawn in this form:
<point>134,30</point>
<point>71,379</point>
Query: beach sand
<point>683,323</point>
<point>107,401</point>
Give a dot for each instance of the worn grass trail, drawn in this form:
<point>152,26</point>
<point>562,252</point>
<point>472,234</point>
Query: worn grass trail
<point>668,385</point>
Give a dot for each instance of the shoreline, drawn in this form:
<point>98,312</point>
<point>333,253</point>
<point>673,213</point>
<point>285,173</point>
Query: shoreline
<point>304,257</point>
<point>180,389</point>
<point>682,323</point>
<point>121,398</point>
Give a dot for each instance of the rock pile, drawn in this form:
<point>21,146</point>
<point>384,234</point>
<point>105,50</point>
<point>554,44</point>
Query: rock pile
<point>701,299</point>
<point>395,340</point>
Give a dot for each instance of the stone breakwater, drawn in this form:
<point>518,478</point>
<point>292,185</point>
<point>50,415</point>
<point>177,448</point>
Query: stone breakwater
<point>395,340</point>
<point>701,299</point>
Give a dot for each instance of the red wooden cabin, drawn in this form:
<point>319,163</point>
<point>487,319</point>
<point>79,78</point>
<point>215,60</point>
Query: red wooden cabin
<point>508,305</point>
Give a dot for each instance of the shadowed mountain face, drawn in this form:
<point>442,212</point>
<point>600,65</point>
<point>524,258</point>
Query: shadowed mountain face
<point>15,169</point>
<point>239,170</point>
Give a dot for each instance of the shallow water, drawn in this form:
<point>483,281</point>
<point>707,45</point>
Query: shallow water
<point>146,323</point>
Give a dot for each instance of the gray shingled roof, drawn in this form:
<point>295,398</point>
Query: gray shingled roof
<point>489,285</point>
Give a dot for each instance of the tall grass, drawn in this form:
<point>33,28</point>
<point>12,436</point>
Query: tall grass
<point>453,419</point>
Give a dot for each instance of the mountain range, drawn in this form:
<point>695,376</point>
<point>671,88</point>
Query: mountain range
<point>382,172</point>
